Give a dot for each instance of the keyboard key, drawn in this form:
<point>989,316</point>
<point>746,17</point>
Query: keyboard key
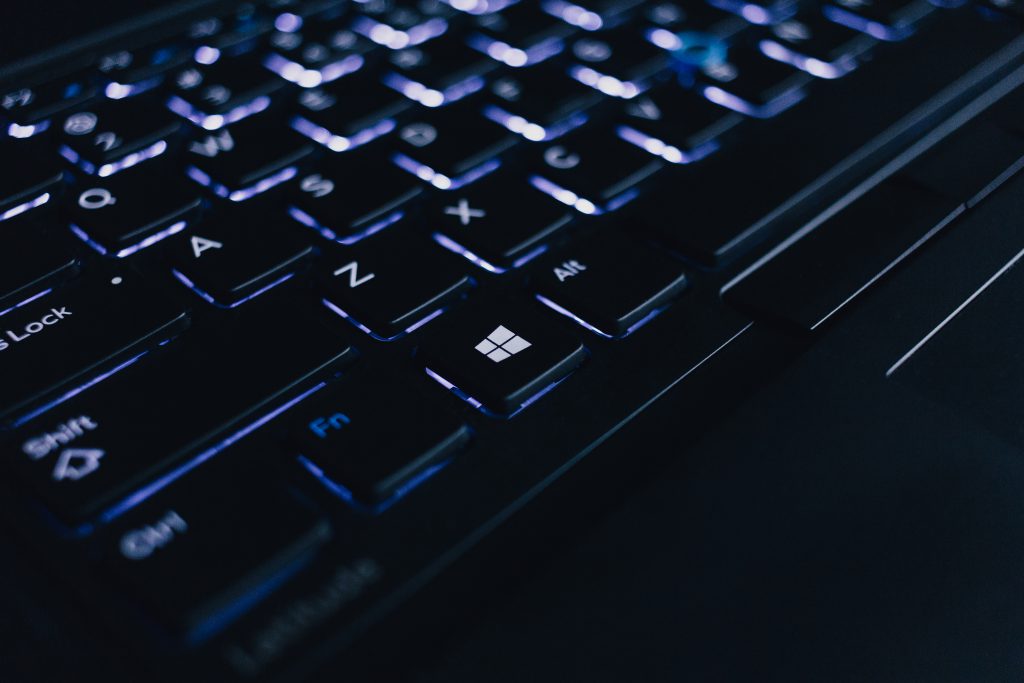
<point>320,54</point>
<point>451,147</point>
<point>171,554</point>
<point>815,45</point>
<point>223,93</point>
<point>350,198</point>
<point>392,284</point>
<point>31,110</point>
<point>123,215</point>
<point>347,115</point>
<point>247,159</point>
<point>203,392</point>
<point>882,19</point>
<point>521,35</point>
<point>62,342</point>
<point>675,124</point>
<point>593,170</point>
<point>497,223</point>
<point>347,441</point>
<point>33,260</point>
<point>671,18</point>
<point>34,179</point>
<point>809,282</point>
<point>500,358</point>
<point>112,137</point>
<point>539,103</point>
<point>608,284</point>
<point>619,62</point>
<point>439,73</point>
<point>752,84</point>
<point>238,254</point>
<point>591,15</point>
<point>131,72</point>
<point>759,12</point>
<point>402,25</point>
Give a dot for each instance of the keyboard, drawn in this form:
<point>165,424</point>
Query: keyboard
<point>300,300</point>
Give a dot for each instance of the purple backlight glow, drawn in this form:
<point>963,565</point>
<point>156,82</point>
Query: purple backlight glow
<point>532,131</point>
<point>429,97</point>
<point>573,14</point>
<point>439,180</point>
<point>456,248</point>
<point>815,67</point>
<point>412,328</point>
<point>339,143</point>
<point>311,78</point>
<point>668,152</point>
<point>325,232</point>
<point>16,130</point>
<point>109,169</point>
<point>208,298</point>
<point>243,194</point>
<point>26,206</point>
<point>137,247</point>
<point>217,121</point>
<point>513,56</point>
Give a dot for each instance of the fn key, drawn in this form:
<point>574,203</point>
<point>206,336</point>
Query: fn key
<point>501,358</point>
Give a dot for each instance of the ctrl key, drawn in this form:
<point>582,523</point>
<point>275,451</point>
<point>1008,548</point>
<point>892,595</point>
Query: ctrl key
<point>200,555</point>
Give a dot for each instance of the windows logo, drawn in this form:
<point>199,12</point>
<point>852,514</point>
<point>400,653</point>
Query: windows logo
<point>501,344</point>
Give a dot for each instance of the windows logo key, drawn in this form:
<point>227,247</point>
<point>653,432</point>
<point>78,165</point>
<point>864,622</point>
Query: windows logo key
<point>501,344</point>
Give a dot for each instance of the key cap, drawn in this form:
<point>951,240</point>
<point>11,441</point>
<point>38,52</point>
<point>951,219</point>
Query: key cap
<point>761,12</point>
<point>671,18</point>
<point>593,170</point>
<point>30,110</point>
<point>223,93</point>
<point>591,15</point>
<point>350,114</point>
<point>815,45</point>
<point>230,35</point>
<point>348,442</point>
<point>247,159</point>
<point>120,216</point>
<point>32,177</point>
<point>675,124</point>
<point>452,147</point>
<point>608,284</point>
<point>392,284</point>
<point>238,254</point>
<point>320,54</point>
<point>500,358</point>
<point>33,260</point>
<point>497,223</point>
<point>172,554</point>
<point>131,72</point>
<point>62,342</point>
<point>437,74</point>
<point>521,35</point>
<point>618,62</point>
<point>1011,8</point>
<point>348,199</point>
<point>405,25</point>
<point>539,103</point>
<point>809,282</point>
<point>109,138</point>
<point>751,84</point>
<point>890,20</point>
<point>158,420</point>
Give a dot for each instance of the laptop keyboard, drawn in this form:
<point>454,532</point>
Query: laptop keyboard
<point>378,230</point>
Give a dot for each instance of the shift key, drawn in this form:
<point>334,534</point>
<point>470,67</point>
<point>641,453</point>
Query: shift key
<point>66,340</point>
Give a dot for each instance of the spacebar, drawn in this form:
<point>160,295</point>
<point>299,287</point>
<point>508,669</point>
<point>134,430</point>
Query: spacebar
<point>105,451</point>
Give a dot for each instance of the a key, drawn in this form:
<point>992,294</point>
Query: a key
<point>348,199</point>
<point>500,358</point>
<point>593,170</point>
<point>608,284</point>
<point>751,84</point>
<point>591,15</point>
<point>890,20</point>
<point>521,35</point>
<point>223,93</point>
<point>619,62</point>
<point>675,124</point>
<point>321,54</point>
<point>761,12</point>
<point>438,73</point>
<point>347,115</point>
<point>811,43</point>
<point>122,215</point>
<point>114,136</point>
<point>497,223</point>
<point>238,254</point>
<point>392,284</point>
<point>32,261</point>
<point>30,110</point>
<point>405,25</point>
<point>539,103</point>
<point>246,160</point>
<point>61,343</point>
<point>131,72</point>
<point>32,177</point>
<point>170,554</point>
<point>451,147</point>
<point>346,440</point>
<point>167,415</point>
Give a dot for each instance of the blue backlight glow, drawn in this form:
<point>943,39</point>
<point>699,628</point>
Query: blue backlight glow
<point>373,509</point>
<point>375,227</point>
<point>26,206</point>
<point>439,180</point>
<point>26,302</point>
<point>149,241</point>
<point>412,328</point>
<point>208,298</point>
<point>339,143</point>
<point>217,121</point>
